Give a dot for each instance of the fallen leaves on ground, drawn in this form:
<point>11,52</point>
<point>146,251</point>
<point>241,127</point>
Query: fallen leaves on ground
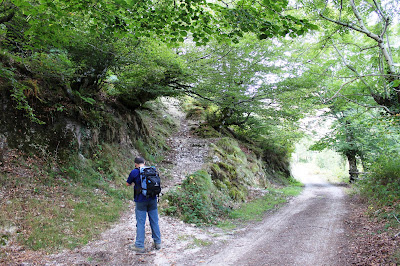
<point>370,241</point>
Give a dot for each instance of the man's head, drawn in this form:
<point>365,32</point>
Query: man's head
<point>139,161</point>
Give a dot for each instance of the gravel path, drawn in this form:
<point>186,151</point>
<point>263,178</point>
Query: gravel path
<point>308,231</point>
<point>187,153</point>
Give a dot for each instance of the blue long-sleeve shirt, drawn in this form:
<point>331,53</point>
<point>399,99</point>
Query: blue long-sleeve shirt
<point>134,177</point>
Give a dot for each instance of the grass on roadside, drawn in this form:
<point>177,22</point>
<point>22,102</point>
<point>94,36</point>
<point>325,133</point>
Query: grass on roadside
<point>194,241</point>
<point>51,209</point>
<point>256,209</point>
<point>73,223</point>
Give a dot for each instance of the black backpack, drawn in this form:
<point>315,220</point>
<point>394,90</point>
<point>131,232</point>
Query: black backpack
<point>151,182</point>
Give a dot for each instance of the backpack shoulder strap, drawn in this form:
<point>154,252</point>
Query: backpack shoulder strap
<point>138,187</point>
<point>141,170</point>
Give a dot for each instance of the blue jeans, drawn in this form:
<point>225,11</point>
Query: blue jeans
<point>141,209</point>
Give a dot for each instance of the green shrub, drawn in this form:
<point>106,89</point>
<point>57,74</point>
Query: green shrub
<point>196,201</point>
<point>382,183</point>
<point>206,131</point>
<point>194,109</point>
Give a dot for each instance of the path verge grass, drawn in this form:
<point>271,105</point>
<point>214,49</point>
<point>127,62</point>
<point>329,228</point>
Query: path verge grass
<point>255,210</point>
<point>51,208</point>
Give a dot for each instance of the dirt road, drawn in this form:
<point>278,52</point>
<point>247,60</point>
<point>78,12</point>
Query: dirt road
<point>308,231</point>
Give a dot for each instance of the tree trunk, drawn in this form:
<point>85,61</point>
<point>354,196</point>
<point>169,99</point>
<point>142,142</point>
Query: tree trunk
<point>353,170</point>
<point>3,147</point>
<point>351,152</point>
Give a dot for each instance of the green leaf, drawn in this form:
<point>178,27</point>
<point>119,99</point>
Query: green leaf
<point>396,83</point>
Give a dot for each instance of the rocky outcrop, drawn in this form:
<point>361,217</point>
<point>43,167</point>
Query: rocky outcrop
<point>68,127</point>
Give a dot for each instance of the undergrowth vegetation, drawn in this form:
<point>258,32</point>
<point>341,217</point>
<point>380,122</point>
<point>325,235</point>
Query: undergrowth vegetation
<point>382,189</point>
<point>381,183</point>
<point>52,208</point>
<point>197,200</point>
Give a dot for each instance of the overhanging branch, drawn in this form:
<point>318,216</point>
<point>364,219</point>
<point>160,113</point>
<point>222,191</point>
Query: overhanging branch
<point>353,69</point>
<point>363,29</point>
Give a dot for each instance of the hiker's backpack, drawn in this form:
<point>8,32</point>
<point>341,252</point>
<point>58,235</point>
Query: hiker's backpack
<point>150,181</point>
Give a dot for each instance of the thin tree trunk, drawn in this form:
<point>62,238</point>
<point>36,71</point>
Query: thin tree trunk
<point>353,170</point>
<point>351,153</point>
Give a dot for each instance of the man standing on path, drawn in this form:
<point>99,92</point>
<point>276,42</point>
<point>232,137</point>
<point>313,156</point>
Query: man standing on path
<point>143,206</point>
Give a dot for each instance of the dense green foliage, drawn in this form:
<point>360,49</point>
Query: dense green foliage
<point>382,183</point>
<point>78,45</point>
<point>197,200</point>
<point>167,20</point>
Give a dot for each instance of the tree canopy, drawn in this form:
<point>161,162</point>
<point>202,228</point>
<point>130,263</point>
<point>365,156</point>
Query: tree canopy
<point>357,51</point>
<point>258,66</point>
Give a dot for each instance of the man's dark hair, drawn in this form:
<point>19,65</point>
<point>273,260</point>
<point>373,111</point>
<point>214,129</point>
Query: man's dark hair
<point>139,160</point>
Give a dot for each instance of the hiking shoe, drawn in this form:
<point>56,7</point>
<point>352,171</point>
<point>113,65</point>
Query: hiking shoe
<point>137,249</point>
<point>157,246</point>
